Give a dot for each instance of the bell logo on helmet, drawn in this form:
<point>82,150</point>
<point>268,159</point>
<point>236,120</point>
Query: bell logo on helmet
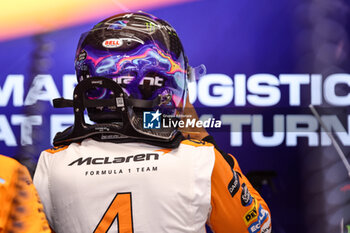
<point>112,43</point>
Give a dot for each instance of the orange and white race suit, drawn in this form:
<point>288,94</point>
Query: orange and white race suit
<point>135,187</point>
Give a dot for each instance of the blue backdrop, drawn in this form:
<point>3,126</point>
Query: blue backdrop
<point>231,38</point>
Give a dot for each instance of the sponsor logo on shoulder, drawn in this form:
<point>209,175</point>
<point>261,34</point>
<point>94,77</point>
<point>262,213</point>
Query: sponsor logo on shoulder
<point>112,43</point>
<point>266,227</point>
<point>251,215</point>
<point>256,226</point>
<point>234,184</point>
<point>246,197</point>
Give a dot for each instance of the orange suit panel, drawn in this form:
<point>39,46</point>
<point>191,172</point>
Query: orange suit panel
<point>21,210</point>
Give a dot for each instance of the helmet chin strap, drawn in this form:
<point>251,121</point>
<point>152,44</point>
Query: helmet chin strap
<point>126,131</point>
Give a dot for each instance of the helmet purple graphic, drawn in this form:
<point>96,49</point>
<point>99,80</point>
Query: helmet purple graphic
<point>140,52</point>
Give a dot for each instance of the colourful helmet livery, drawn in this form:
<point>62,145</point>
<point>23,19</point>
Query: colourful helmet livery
<point>140,52</point>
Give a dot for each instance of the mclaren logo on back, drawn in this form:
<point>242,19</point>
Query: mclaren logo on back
<point>110,160</point>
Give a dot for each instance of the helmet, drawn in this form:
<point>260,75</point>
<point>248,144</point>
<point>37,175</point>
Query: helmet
<point>140,52</point>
